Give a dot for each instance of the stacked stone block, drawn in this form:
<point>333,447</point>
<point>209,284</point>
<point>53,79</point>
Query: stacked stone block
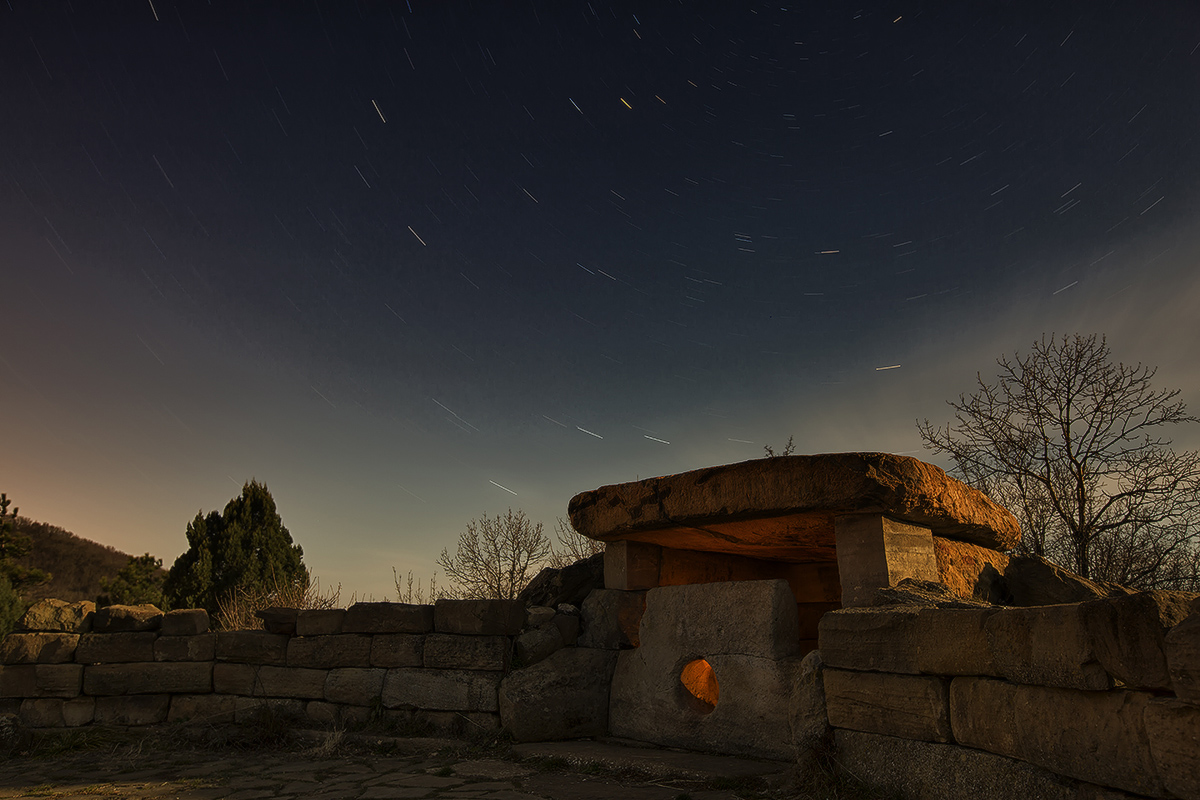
<point>1095,699</point>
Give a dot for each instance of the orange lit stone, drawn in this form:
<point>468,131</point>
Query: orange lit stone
<point>701,682</point>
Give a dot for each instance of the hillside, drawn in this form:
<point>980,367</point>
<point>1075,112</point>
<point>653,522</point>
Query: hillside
<point>77,564</point>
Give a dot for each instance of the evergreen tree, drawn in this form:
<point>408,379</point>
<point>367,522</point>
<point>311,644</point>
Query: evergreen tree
<point>245,547</point>
<point>139,581</point>
<point>11,607</point>
<point>13,545</point>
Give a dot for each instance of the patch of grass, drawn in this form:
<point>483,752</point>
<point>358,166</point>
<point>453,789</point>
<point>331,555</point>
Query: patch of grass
<point>444,772</point>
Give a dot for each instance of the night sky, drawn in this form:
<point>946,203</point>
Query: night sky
<point>412,264</point>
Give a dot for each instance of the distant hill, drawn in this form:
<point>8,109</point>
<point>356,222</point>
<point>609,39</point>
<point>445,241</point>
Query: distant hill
<point>76,564</point>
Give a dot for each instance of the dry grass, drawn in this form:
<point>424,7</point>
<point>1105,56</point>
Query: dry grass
<point>407,592</point>
<point>237,612</point>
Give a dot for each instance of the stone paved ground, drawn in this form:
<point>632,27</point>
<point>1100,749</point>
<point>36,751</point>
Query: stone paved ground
<point>374,770</point>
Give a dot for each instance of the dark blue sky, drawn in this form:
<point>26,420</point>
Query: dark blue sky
<point>402,263</point>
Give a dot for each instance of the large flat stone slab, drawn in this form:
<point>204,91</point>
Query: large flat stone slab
<point>784,508</point>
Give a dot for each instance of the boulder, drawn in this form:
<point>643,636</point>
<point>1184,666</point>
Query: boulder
<point>1182,646</point>
<point>536,616</point>
<point>1034,581</point>
<point>568,627</point>
<point>564,696</point>
<point>58,616</point>
<point>783,508</point>
<point>971,571</point>
<point>570,584</point>
<point>1174,729</point>
<point>535,645</point>
<point>119,618</point>
<point>1127,633</point>
<point>610,619</point>
<point>808,715</point>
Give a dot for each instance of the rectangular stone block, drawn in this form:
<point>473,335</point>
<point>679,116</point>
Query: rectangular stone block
<point>35,648</point>
<point>479,617</point>
<point>1093,736</point>
<point>148,678</point>
<point>201,647</point>
<point>1174,730</point>
<point>250,709</point>
<point>953,641</point>
<point>355,687</point>
<point>1182,648</point>
<point>874,551</point>
<point>58,680</point>
<point>116,648</point>
<point>184,622</point>
<point>334,715</point>
<point>397,650</point>
<point>881,639</point>
<point>1045,646</point>
<point>50,712</point>
<point>241,679</point>
<point>20,680</point>
<point>460,725</point>
<point>909,706</point>
<point>252,647</point>
<point>387,618</point>
<point>252,680</point>
<point>337,650</point>
<point>631,566</point>
<point>709,618</point>
<point>441,689</point>
<point>207,708</point>
<point>319,621</point>
<point>142,709</point>
<point>450,651</point>
<point>611,619</point>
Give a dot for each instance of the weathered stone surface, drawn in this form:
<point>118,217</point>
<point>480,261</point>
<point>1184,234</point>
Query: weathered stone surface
<point>870,639</point>
<point>537,616</point>
<point>570,584</point>
<point>971,571</point>
<point>535,645</point>
<point>184,622</point>
<point>809,582</point>
<point>41,680</point>
<point>631,566</point>
<point>783,508</point>
<point>115,648</point>
<point>278,619</point>
<point>807,713</point>
<point>387,618</point>
<point>611,618</point>
<point>953,641</point>
<point>144,709</point>
<point>1107,741</point>
<point>252,680</point>
<point>456,724</point>
<point>319,621</point>
<point>20,680</point>
<point>201,647</point>
<point>875,551</point>
<point>1045,646</point>
<point>756,618</point>
<point>338,650</point>
<point>34,648</point>
<point>910,706</point>
<point>1034,581</point>
<point>914,769</point>
<point>564,696</point>
<point>568,628</point>
<point>450,651</point>
<point>249,709</point>
<point>119,618</point>
<point>55,713</point>
<point>236,679</point>
<point>1127,633</point>
<point>1174,729</point>
<point>355,687</point>
<point>151,678</point>
<point>441,690</point>
<point>252,647</point>
<point>58,616</point>
<point>1182,646</point>
<point>334,715</point>
<point>208,708</point>
<point>913,592</point>
<point>397,650</point>
<point>479,617</point>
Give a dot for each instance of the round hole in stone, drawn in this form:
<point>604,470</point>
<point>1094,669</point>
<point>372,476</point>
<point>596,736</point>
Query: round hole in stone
<point>700,681</point>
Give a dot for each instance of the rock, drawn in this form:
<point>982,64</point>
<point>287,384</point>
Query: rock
<point>911,706</point>
<point>1174,729</point>
<point>152,678</point>
<point>12,734</point>
<point>632,566</point>
<point>441,690</point>
<point>397,650</point>
<point>451,651</point>
<point>611,619</point>
<point>58,616</point>
<point>1045,646</point>
<point>567,609</point>
<point>1107,744</point>
<point>337,650</point>
<point>34,648</point>
<point>208,708</point>
<point>117,619</point>
<point>253,647</point>
<point>972,572</point>
<point>880,639</point>
<point>536,616</point>
<point>146,709</point>
<point>278,619</point>
<point>783,508</point>
<point>185,622</point>
<point>319,621</point>
<point>266,681</point>
<point>1127,633</point>
<point>808,715</point>
<point>568,628</point>
<point>535,645</point>
<point>1182,648</point>
<point>55,713</point>
<point>356,687</point>
<point>112,648</point>
<point>953,641</point>
<point>479,617</point>
<point>911,591</point>
<point>202,647</point>
<point>388,618</point>
<point>1034,581</point>
<point>564,696</point>
<point>569,584</point>
<point>41,680</point>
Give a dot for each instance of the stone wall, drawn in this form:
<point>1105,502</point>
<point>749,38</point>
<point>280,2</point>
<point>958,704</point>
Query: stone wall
<point>437,665</point>
<point>1087,700</point>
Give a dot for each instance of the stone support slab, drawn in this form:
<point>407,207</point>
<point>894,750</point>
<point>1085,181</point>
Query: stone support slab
<point>875,551</point>
<point>631,566</point>
<point>909,706</point>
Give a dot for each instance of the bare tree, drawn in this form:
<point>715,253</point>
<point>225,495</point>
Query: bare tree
<point>572,546</point>
<point>495,557</point>
<point>1073,444</point>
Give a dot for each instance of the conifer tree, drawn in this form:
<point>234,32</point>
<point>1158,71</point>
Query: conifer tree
<point>139,581</point>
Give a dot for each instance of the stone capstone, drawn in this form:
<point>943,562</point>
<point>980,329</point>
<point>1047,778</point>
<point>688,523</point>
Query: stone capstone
<point>120,618</point>
<point>783,508</point>
<point>564,696</point>
<point>58,616</point>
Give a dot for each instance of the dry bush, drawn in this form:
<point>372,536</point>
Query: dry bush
<point>572,546</point>
<point>236,612</point>
<point>407,592</point>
